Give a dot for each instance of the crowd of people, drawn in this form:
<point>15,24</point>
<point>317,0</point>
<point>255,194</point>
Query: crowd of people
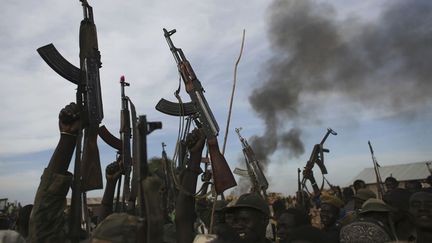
<point>354,214</point>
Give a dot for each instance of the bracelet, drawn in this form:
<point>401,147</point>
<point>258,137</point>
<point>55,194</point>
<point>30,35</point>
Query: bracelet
<point>70,134</point>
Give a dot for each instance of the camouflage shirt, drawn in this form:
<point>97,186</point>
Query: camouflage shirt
<point>47,217</point>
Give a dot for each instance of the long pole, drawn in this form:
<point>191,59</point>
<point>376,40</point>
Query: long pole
<point>227,126</point>
<point>232,93</point>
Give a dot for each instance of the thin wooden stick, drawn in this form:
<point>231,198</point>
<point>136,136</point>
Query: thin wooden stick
<point>232,94</point>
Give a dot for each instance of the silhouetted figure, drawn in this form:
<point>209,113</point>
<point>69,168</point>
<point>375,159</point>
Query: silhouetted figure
<point>329,214</point>
<point>22,223</point>
<point>361,196</point>
<point>47,221</point>
<point>391,183</point>
<point>358,184</point>
<point>398,199</point>
<point>278,207</point>
<point>112,174</point>
<point>289,220</point>
<point>421,210</point>
<point>413,186</point>
<point>307,234</point>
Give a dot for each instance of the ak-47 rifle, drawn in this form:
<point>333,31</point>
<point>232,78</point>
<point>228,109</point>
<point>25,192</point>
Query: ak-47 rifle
<point>125,137</point>
<point>170,191</point>
<point>199,109</point>
<point>255,172</point>
<point>141,172</point>
<point>379,183</point>
<point>316,157</point>
<point>182,147</point>
<point>87,171</point>
<point>122,145</point>
<point>299,193</point>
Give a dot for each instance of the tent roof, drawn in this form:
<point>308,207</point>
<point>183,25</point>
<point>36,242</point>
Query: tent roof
<point>402,172</point>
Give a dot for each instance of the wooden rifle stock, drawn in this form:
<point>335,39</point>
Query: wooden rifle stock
<point>222,175</point>
<point>90,167</point>
<point>223,178</point>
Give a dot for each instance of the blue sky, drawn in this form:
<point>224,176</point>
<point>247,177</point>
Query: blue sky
<point>209,32</point>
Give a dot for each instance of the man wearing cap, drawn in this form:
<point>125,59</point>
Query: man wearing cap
<point>250,218</point>
<point>373,224</point>
<point>329,214</point>
<point>360,197</point>
<point>118,228</point>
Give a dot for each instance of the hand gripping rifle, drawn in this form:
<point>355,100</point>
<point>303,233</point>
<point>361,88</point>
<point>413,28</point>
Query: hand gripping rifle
<point>255,172</point>
<point>122,145</point>
<point>87,171</point>
<point>316,157</point>
<point>203,116</point>
<point>380,185</point>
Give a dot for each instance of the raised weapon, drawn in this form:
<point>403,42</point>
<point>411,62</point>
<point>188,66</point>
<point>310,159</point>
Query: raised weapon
<point>87,170</point>
<point>125,137</point>
<point>199,109</point>
<point>255,172</point>
<point>316,157</point>
<point>141,172</point>
<point>170,190</point>
<point>379,183</point>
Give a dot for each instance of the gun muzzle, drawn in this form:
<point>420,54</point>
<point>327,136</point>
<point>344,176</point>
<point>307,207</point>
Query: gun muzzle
<point>169,33</point>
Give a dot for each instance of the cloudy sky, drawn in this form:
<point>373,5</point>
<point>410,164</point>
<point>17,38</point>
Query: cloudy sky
<point>359,67</point>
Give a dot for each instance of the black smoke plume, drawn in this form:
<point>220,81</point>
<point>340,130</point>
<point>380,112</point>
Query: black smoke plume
<point>379,65</point>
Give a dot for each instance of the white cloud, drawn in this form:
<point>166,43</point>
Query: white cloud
<point>132,44</point>
<point>20,186</point>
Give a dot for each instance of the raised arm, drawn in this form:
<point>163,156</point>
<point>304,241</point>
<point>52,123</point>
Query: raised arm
<point>47,218</point>
<point>185,207</point>
<point>112,174</point>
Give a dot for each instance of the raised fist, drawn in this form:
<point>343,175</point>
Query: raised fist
<point>195,141</point>
<point>113,171</point>
<point>69,119</point>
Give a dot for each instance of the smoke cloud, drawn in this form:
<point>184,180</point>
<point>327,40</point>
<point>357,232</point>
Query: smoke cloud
<point>380,65</point>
